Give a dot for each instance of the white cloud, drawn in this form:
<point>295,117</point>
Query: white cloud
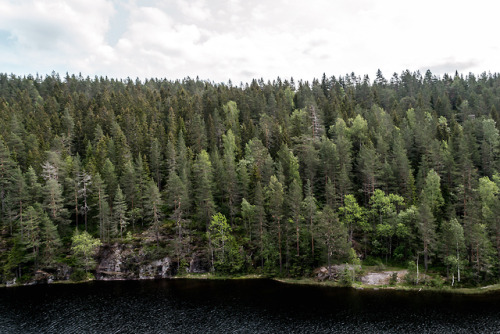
<point>239,40</point>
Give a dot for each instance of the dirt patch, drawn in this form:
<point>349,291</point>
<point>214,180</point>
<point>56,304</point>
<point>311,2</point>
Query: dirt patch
<point>382,278</point>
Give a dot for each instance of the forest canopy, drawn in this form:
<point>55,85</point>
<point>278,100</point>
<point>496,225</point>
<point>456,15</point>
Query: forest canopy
<point>276,177</point>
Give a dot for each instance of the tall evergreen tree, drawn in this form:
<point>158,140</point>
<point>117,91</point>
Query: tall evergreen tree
<point>120,219</point>
<point>203,184</point>
<point>275,199</point>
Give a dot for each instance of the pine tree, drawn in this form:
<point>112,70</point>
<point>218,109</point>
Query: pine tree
<point>294,203</point>
<point>109,177</point>
<point>453,247</point>
<point>33,187</point>
<point>202,191</point>
<point>275,199</point>
<point>153,204</point>
<point>427,231</point>
<point>100,198</point>
<point>32,235</point>
<point>84,183</point>
<point>51,241</point>
<point>310,210</point>
<point>6,169</point>
<point>54,202</point>
<point>177,198</point>
<point>120,219</point>
<point>260,216</point>
<point>230,175</point>
<point>17,198</point>
<point>333,234</point>
<point>156,161</point>
<point>343,145</point>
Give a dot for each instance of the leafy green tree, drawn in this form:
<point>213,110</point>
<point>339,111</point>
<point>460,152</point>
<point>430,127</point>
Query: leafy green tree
<point>333,234</point>
<point>219,236</point>
<point>353,216</point>
<point>84,248</point>
<point>431,193</point>
<point>453,247</point>
<point>384,210</point>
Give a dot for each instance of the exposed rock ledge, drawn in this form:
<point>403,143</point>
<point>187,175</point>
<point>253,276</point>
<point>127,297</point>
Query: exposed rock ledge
<point>382,278</point>
<point>123,262</point>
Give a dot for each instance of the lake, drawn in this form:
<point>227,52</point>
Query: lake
<point>238,306</point>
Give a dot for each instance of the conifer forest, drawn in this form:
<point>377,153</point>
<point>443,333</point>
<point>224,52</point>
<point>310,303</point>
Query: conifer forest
<point>274,178</point>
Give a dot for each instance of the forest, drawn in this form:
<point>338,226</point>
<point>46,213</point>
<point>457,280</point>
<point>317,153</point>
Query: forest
<point>274,178</point>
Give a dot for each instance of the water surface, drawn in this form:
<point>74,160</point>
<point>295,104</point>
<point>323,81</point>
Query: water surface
<point>238,306</point>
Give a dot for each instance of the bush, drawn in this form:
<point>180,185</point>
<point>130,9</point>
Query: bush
<point>345,278</point>
<point>371,261</point>
<point>78,275</point>
<point>411,277</point>
<point>436,282</point>
<point>394,278</point>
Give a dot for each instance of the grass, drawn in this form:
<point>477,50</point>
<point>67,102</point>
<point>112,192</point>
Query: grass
<point>398,287</point>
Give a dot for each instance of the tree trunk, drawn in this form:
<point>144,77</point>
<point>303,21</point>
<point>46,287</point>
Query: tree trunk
<point>298,250</point>
<point>261,242</point>
<point>279,244</point>
<point>312,238</point>
<point>417,267</point>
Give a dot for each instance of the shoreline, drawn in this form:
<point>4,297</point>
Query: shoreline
<point>418,288</point>
<point>494,288</point>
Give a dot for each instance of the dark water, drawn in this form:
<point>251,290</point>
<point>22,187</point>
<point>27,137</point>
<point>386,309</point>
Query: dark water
<point>244,306</point>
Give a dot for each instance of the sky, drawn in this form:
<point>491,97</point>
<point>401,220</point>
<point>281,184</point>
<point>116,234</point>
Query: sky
<point>238,40</point>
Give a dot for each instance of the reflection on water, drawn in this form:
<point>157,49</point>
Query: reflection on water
<point>242,306</point>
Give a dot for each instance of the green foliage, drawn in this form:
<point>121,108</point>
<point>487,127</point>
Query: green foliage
<point>84,247</point>
<point>121,156</point>
<point>226,253</point>
<point>394,278</point>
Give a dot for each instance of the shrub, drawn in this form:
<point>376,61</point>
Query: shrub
<point>394,278</point>
<point>78,275</point>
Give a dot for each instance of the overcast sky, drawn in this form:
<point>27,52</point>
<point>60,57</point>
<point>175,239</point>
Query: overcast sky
<point>244,39</point>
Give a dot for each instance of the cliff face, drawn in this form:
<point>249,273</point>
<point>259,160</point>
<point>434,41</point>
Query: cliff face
<point>123,261</point>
